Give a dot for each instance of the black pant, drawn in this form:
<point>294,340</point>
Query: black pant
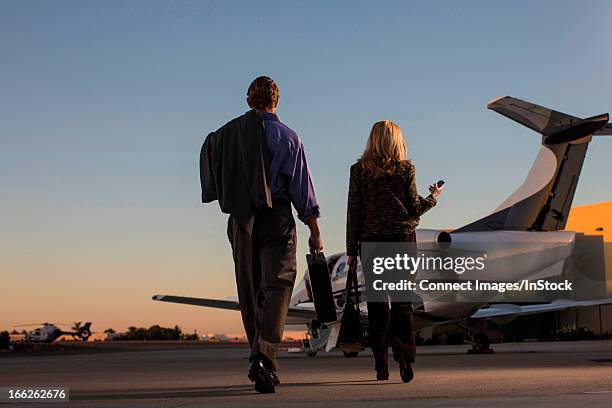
<point>265,267</point>
<point>391,326</point>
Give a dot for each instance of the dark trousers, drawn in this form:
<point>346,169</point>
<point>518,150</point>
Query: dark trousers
<point>391,325</point>
<point>265,267</point>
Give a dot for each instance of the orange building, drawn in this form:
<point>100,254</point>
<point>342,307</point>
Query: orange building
<point>595,219</point>
<point>592,220</point>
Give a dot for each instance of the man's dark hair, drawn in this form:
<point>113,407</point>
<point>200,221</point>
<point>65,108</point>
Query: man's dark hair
<point>263,93</point>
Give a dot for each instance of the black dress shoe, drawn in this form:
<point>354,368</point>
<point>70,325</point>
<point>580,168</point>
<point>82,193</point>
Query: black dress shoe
<point>258,373</point>
<point>270,368</point>
<point>275,379</point>
<point>264,387</point>
<point>405,370</point>
<point>382,374</point>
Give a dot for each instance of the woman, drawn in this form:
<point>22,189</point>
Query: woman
<point>384,206</point>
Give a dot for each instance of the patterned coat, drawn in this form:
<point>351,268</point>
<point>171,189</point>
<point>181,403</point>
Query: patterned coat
<point>387,204</point>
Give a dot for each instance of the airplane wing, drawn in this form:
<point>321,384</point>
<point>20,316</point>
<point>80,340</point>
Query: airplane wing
<point>512,310</point>
<point>302,314</point>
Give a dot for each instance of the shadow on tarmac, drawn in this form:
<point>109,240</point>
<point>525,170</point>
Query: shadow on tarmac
<point>204,392</point>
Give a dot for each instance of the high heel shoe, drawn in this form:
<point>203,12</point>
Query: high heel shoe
<point>382,374</point>
<point>405,370</point>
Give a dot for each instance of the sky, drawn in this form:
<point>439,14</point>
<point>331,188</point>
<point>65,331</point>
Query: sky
<point>104,106</point>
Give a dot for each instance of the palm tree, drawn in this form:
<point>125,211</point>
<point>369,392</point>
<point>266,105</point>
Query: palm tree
<point>76,326</point>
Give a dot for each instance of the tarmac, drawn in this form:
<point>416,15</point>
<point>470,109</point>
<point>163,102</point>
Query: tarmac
<point>560,374</point>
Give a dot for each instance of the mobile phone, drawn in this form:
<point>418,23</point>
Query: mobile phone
<point>440,183</point>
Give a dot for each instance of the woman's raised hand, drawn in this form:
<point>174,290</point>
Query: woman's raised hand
<point>435,190</point>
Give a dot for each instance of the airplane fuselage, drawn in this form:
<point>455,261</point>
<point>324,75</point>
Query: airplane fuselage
<point>532,253</point>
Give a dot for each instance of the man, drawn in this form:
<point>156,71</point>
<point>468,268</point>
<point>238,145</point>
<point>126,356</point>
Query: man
<point>256,167</point>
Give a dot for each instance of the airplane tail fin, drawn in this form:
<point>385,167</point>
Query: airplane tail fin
<point>543,201</point>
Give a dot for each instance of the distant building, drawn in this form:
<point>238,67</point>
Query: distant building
<point>216,338</point>
<point>113,336</point>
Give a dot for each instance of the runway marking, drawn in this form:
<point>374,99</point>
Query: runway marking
<point>597,392</point>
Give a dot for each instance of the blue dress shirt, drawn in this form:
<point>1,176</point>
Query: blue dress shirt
<point>289,176</point>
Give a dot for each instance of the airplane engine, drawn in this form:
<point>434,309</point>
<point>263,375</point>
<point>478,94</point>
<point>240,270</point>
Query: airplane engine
<point>429,236</point>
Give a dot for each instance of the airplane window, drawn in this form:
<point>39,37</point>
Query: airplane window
<point>331,264</point>
<point>342,270</point>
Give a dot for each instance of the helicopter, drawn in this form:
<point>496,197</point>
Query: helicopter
<point>50,332</point>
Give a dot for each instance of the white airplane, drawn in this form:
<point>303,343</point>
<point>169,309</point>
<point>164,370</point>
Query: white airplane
<point>536,213</point>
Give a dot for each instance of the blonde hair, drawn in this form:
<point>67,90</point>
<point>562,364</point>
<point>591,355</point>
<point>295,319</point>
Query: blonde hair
<point>385,149</point>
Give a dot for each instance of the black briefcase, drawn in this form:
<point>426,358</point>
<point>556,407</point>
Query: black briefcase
<point>320,283</point>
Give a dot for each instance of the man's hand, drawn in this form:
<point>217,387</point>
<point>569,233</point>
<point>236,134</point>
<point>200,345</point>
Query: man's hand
<point>314,242</point>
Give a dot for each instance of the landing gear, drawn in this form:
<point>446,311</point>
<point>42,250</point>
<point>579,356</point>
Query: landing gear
<point>316,338</point>
<point>481,344</point>
<point>350,354</point>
